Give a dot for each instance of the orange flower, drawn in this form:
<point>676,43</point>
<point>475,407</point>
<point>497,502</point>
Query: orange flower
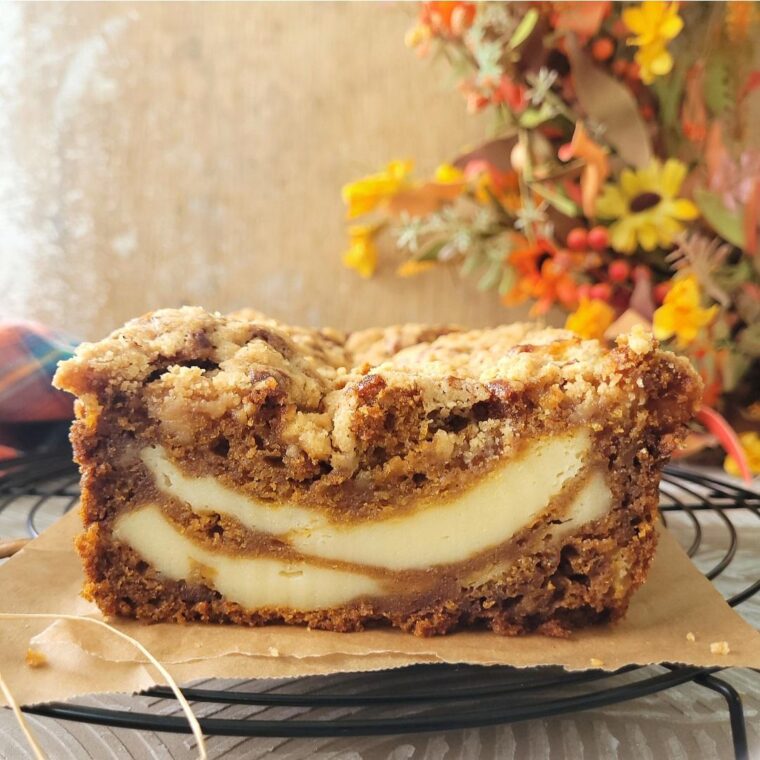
<point>591,319</point>
<point>512,94</point>
<point>543,274</point>
<point>490,182</point>
<point>448,19</point>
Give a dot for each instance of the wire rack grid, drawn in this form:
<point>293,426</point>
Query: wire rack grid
<point>421,698</point>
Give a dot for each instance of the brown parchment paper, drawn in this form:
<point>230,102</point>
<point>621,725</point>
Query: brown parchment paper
<point>82,658</point>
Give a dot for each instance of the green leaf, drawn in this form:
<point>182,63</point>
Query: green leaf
<point>491,276</point>
<point>717,88</point>
<point>749,340</point>
<point>728,224</point>
<point>495,253</point>
<point>561,202</point>
<point>731,278</point>
<point>738,365</point>
<point>669,94</point>
<point>532,117</point>
<point>488,57</point>
<point>430,253</point>
<point>508,279</point>
<point>524,28</point>
<point>472,262</point>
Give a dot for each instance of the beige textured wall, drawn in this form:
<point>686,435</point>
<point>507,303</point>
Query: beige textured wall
<point>154,155</point>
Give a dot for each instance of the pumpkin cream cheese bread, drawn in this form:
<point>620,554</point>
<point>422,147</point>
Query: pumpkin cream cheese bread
<point>235,469</point>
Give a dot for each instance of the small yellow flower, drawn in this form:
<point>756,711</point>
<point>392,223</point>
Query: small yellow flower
<point>751,444</point>
<point>368,193</point>
<point>680,314</point>
<point>448,174</point>
<point>362,252</point>
<point>645,205</point>
<point>417,35</point>
<point>654,24</point>
<point>591,319</point>
<point>412,267</point>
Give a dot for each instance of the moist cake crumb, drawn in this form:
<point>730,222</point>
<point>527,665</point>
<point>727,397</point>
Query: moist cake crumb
<point>223,432</point>
<point>719,647</point>
<point>691,637</point>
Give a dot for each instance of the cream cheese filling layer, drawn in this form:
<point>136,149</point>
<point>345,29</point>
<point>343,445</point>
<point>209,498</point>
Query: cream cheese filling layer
<point>435,533</point>
<point>251,582</point>
<point>256,582</point>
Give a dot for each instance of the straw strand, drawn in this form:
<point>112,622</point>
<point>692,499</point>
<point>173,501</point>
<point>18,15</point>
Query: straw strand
<point>184,704</point>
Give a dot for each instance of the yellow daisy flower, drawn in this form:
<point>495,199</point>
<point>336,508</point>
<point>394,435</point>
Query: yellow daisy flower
<point>362,252</point>
<point>646,208</point>
<point>591,319</point>
<point>654,24</point>
<point>680,314</point>
<point>366,194</point>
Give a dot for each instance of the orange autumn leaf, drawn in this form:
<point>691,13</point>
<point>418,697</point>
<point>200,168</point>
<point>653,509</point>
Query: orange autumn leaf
<point>751,216</point>
<point>413,267</point>
<point>715,149</point>
<point>694,111</point>
<point>752,84</point>
<point>596,166</point>
<point>583,18</point>
<point>424,199</point>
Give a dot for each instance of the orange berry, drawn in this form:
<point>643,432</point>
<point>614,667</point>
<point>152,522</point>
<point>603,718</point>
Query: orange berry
<point>660,291</point>
<point>601,291</point>
<point>602,49</point>
<point>577,239</point>
<point>598,238</point>
<point>619,270</point>
<point>619,29</point>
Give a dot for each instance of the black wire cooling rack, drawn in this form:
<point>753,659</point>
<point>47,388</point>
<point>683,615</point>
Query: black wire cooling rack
<point>419,698</point>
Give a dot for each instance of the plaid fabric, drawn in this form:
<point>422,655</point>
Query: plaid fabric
<point>29,353</point>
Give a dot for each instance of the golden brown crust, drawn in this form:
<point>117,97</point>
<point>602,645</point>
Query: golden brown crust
<point>359,424</point>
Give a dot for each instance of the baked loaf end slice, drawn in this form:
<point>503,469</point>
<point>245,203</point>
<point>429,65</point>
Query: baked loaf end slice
<point>235,469</point>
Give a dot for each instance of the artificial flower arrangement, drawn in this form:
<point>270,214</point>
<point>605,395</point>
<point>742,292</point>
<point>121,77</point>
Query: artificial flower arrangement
<point>620,182</point>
